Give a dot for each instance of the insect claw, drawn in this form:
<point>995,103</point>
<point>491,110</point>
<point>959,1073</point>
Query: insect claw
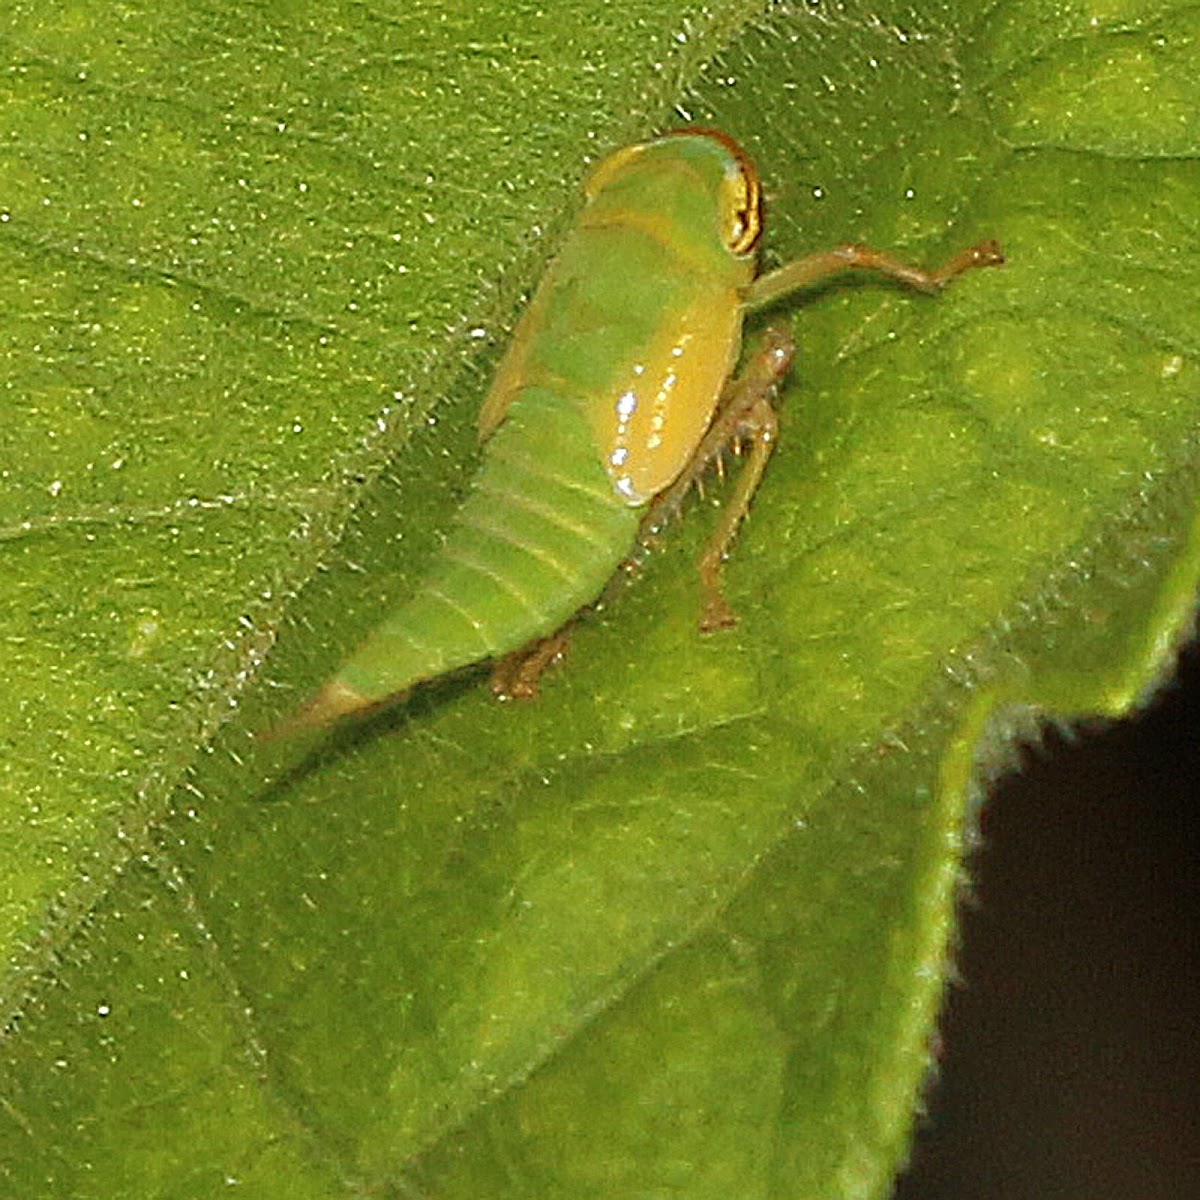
<point>717,614</point>
<point>517,676</point>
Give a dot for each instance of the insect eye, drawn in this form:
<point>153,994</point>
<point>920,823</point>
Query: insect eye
<point>742,211</point>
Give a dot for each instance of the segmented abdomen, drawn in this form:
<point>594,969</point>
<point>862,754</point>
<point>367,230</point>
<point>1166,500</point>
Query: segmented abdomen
<point>539,536</point>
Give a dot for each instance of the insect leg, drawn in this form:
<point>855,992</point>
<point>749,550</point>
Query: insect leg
<point>517,676</point>
<point>744,415</point>
<point>815,269</point>
<point>760,427</point>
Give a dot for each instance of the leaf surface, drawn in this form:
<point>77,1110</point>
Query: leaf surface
<point>680,927</point>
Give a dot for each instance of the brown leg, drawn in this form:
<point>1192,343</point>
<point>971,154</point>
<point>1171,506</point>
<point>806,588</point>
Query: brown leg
<point>745,413</point>
<point>744,416</point>
<point>816,268</point>
<point>517,676</point>
<point>760,427</point>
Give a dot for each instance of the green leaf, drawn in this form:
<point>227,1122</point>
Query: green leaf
<point>680,927</point>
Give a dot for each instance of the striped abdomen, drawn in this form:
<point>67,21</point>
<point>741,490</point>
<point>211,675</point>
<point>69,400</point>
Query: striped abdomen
<point>539,536</point>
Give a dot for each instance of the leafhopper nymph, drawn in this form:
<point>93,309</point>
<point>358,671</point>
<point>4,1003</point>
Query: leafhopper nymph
<point>617,390</point>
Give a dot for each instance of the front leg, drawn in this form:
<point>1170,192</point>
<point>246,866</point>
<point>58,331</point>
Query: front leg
<point>816,269</point>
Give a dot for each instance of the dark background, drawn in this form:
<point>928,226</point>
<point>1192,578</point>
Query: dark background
<point>1070,1047</point>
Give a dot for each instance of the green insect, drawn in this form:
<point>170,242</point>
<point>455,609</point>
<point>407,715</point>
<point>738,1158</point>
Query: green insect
<point>613,397</point>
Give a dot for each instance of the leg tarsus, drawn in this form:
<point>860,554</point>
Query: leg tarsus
<point>983,254</point>
<point>716,613</point>
<point>517,676</point>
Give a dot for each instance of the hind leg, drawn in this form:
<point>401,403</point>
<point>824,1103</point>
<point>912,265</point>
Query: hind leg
<point>517,676</point>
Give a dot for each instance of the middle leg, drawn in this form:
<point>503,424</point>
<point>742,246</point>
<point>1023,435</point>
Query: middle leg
<point>745,415</point>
